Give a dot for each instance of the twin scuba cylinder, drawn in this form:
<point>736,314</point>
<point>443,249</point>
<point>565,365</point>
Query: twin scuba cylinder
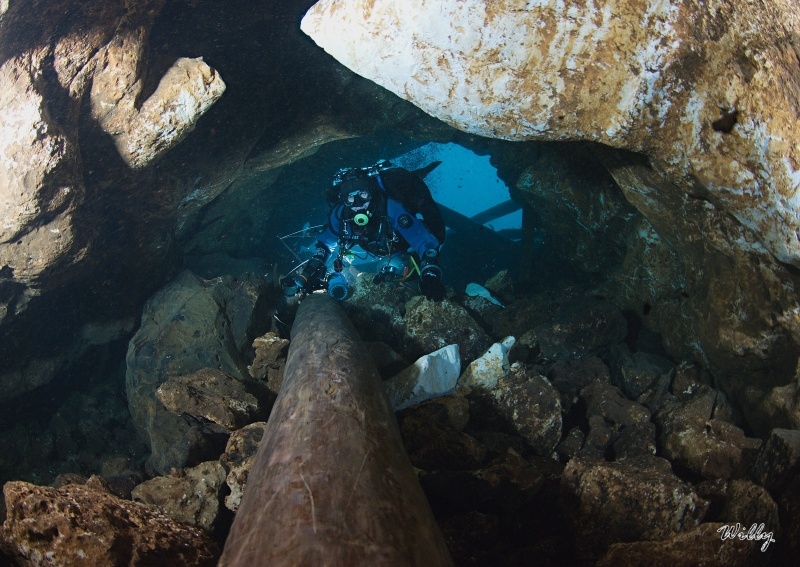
<point>341,280</point>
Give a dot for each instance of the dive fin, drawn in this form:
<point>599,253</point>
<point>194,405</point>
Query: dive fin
<point>423,172</point>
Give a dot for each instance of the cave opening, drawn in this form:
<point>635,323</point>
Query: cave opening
<point>241,230</point>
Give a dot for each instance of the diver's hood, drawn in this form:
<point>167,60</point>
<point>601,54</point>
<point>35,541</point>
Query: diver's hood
<point>359,194</point>
<point>356,190</point>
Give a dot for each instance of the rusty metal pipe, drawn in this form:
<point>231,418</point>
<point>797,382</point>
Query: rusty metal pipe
<point>331,483</point>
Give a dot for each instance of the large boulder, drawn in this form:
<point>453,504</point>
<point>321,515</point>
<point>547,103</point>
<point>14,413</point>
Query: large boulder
<point>191,496</point>
<point>692,438</point>
<point>191,325</point>
<point>702,545</point>
<point>629,500</point>
<point>85,525</point>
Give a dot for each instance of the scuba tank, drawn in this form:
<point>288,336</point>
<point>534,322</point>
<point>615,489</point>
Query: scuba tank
<point>341,281</point>
<point>340,285</point>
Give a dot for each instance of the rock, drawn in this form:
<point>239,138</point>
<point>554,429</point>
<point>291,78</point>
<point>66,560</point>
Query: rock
<point>698,546</point>
<point>412,325</point>
<point>238,460</point>
<point>269,361</point>
<point>191,496</point>
<point>637,439</point>
<point>212,395</point>
<point>625,501</point>
<point>508,483</point>
<point>447,412</point>
<point>490,367</point>
<point>715,492</point>
<point>185,328</point>
<point>270,349</point>
<point>502,286</point>
<point>36,206</point>
<point>608,402</point>
<point>143,131</point>
<point>122,475</point>
<point>92,54</point>
<point>570,376</point>
<point>778,461</point>
<point>749,504</point>
<point>709,447</point>
<point>724,410</point>
<point>430,325</point>
<point>599,439</point>
<point>777,407</point>
<point>579,330</point>
<point>66,479</point>
<point>690,378</point>
<point>78,524</point>
<point>531,406</point>
<point>481,309</point>
<point>618,427</point>
<point>183,439</point>
<point>477,290</point>
<point>571,444</point>
<point>638,372</point>
<point>378,313</point>
<point>525,314</point>
<point>434,438</point>
<point>431,375</point>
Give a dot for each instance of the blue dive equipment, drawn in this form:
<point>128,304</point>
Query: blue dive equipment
<point>338,286</point>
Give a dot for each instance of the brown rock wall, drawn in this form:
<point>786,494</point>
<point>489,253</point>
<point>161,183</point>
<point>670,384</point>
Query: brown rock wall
<point>105,165</point>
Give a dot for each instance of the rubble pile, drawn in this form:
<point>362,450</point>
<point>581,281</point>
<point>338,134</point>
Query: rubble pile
<point>559,441</point>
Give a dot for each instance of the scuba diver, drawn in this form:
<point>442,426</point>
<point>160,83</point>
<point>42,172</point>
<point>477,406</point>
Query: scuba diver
<point>383,218</point>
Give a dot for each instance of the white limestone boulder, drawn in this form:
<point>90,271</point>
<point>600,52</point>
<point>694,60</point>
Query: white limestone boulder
<point>707,90</point>
<point>487,370</point>
<point>430,376</point>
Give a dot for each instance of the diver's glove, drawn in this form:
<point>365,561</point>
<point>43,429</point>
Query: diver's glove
<point>430,283</point>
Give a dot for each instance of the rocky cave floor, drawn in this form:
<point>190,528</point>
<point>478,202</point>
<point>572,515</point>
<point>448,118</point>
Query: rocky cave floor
<point>589,447</point>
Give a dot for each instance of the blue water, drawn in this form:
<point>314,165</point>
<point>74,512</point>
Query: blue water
<point>465,181</point>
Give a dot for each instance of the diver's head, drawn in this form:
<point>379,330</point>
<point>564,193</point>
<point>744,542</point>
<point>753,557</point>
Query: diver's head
<point>359,196</point>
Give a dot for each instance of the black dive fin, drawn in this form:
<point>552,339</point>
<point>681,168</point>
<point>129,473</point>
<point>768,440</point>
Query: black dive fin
<point>423,172</point>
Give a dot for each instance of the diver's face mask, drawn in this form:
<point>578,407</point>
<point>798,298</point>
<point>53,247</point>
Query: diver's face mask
<point>359,202</point>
